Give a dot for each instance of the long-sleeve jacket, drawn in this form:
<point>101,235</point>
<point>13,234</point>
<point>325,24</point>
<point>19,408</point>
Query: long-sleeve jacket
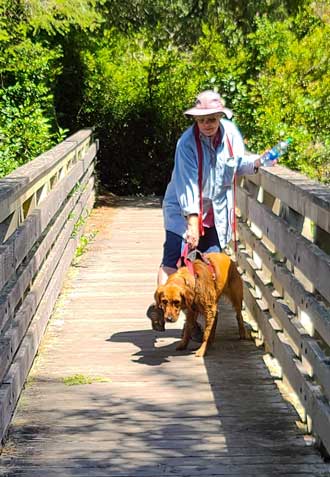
<point>182,193</point>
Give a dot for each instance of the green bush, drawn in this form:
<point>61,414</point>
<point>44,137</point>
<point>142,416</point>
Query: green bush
<point>290,94</point>
<point>131,72</point>
<point>30,64</point>
<point>27,125</point>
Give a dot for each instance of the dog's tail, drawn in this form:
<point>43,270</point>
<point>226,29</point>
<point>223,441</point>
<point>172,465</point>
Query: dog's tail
<point>234,288</point>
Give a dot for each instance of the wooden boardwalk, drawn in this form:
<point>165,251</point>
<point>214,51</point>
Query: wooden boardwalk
<point>149,411</point>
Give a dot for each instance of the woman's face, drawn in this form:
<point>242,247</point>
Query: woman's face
<point>208,125</point>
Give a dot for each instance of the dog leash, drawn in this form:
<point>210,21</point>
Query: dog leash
<point>233,210</point>
<point>188,256</point>
<point>200,179</point>
<point>185,260</point>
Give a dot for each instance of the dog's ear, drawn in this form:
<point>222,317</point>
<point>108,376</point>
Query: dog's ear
<point>159,294</point>
<point>188,296</point>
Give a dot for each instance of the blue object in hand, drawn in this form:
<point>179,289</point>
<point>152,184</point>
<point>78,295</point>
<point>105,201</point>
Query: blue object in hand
<point>268,157</point>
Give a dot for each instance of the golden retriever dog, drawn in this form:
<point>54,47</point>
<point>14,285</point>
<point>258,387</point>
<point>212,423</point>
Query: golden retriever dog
<point>198,293</point>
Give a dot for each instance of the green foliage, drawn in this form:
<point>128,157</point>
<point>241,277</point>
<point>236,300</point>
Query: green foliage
<point>26,128</point>
<point>138,80</point>
<point>131,69</point>
<point>29,68</point>
<point>129,96</point>
<point>84,241</point>
<point>56,16</point>
<point>291,94</point>
<point>175,23</point>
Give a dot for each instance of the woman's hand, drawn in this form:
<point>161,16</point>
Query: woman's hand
<point>257,163</point>
<point>192,234</point>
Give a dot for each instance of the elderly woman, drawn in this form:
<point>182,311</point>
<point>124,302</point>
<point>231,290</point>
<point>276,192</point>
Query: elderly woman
<point>198,203</point>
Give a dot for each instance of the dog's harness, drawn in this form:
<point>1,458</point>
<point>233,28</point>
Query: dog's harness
<point>189,256</point>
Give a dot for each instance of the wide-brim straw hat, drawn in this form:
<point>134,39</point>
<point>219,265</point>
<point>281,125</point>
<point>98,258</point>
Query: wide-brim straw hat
<point>209,102</point>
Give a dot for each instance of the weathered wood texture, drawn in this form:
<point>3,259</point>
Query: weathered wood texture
<point>284,233</point>
<point>157,411</point>
<point>42,207</point>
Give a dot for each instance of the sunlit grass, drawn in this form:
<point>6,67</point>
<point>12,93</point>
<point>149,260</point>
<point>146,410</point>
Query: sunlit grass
<point>77,379</point>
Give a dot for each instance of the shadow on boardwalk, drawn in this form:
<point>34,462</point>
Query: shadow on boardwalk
<point>149,410</point>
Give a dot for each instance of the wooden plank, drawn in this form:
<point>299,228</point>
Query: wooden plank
<point>309,394</point>
<point>7,262</point>
<point>161,411</point>
<point>42,188</point>
<point>6,406</point>
<point>18,371</point>
<point>23,317</point>
<point>8,226</point>
<point>80,136</point>
<point>305,346</point>
<point>22,182</point>
<point>304,300</point>
<point>307,197</point>
<point>280,273</point>
<point>11,296</point>
<point>30,231</point>
<point>173,458</point>
<point>303,254</point>
<point>147,469</point>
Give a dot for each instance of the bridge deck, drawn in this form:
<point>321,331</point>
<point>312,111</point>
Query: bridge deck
<point>150,410</point>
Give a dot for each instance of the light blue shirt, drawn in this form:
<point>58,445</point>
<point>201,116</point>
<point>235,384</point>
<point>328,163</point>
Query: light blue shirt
<point>182,193</point>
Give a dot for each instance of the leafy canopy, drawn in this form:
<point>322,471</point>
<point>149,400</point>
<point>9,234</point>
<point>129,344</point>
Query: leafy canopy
<point>131,68</point>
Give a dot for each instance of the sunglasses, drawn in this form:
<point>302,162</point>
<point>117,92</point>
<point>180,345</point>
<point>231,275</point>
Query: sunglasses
<point>212,119</point>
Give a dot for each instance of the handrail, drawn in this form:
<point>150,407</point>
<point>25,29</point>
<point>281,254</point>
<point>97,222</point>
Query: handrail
<point>284,233</point>
<point>42,207</point>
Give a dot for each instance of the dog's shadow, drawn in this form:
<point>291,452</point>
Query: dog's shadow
<point>152,352</point>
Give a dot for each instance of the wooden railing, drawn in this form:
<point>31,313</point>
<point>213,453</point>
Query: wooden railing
<point>43,205</point>
<point>284,232</point>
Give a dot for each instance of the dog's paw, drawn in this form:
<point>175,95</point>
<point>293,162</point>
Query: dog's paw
<point>200,353</point>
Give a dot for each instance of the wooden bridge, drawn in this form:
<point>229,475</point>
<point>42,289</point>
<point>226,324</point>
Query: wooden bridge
<point>107,396</point>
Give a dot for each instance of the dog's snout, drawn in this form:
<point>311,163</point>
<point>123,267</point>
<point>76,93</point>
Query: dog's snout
<point>170,319</point>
